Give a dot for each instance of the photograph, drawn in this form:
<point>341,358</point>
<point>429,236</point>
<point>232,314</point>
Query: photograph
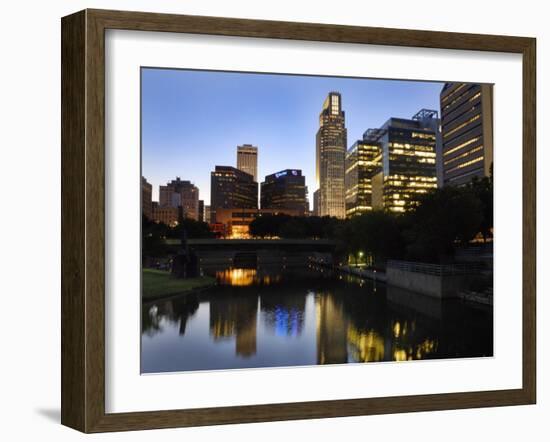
<point>302,220</point>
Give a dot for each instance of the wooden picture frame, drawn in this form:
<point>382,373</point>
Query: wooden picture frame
<point>83,220</point>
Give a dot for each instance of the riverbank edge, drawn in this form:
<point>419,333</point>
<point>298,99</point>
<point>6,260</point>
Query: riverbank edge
<point>189,286</point>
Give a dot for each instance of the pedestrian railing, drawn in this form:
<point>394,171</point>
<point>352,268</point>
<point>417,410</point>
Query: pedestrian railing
<point>436,269</point>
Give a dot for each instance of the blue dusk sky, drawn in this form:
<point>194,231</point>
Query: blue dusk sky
<point>194,120</point>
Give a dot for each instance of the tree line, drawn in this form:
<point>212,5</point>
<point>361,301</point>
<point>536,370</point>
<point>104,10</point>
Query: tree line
<point>443,219</point>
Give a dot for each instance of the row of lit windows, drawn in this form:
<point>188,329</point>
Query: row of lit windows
<point>466,164</point>
<point>472,98</point>
<point>421,178</point>
<point>423,136</point>
<point>418,147</point>
<point>460,126</point>
<point>456,98</point>
<point>465,154</point>
<point>430,154</point>
<point>475,96</point>
<point>458,114</point>
<point>460,146</point>
<point>454,92</point>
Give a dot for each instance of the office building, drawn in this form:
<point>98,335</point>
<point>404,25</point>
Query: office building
<point>467,130</point>
<point>231,188</point>
<point>408,161</point>
<point>207,214</point>
<point>285,190</point>
<point>146,199</point>
<point>247,160</point>
<point>165,215</point>
<point>315,211</point>
<point>331,145</point>
<point>181,193</point>
<point>363,158</point>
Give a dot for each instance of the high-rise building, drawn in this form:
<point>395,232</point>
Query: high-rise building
<point>180,193</point>
<point>232,188</point>
<point>316,203</point>
<point>207,214</point>
<point>467,130</point>
<point>363,158</point>
<point>285,190</point>
<point>331,144</point>
<point>146,198</point>
<point>408,162</point>
<point>166,215</point>
<point>247,159</point>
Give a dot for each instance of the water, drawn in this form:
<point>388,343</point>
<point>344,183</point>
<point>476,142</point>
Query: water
<point>283,317</point>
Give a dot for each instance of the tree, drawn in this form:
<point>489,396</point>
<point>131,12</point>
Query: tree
<point>194,229</point>
<point>374,233</point>
<point>293,228</point>
<point>483,190</point>
<point>442,218</point>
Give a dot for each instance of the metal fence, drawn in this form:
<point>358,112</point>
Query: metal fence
<point>437,269</point>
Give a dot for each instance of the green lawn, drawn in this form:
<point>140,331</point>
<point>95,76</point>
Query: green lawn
<point>158,283</point>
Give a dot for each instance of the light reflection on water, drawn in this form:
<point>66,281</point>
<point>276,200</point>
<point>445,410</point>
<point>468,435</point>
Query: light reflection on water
<point>261,318</point>
<point>245,277</point>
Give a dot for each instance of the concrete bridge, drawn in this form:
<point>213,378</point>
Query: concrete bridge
<point>255,252</point>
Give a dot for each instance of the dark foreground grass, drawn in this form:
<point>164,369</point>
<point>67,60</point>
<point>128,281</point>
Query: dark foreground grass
<point>158,283</point>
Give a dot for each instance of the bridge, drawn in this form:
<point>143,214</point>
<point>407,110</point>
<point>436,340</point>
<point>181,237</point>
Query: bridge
<point>294,245</point>
<point>252,252</point>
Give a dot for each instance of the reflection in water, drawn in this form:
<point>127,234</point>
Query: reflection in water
<point>332,326</point>
<point>245,277</point>
<point>175,311</point>
<point>235,318</point>
<point>301,317</point>
<point>283,314</point>
<point>365,346</point>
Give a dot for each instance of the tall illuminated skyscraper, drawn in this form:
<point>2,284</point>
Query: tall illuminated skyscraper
<point>247,159</point>
<point>330,158</point>
<point>467,129</point>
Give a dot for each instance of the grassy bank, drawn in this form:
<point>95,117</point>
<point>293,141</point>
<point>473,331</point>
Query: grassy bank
<point>158,283</point>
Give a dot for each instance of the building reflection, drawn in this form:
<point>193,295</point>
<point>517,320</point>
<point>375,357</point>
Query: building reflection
<point>409,343</point>
<point>332,330</point>
<point>235,317</point>
<point>283,313</point>
<point>365,346</point>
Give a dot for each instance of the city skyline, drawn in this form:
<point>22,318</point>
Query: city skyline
<point>291,103</point>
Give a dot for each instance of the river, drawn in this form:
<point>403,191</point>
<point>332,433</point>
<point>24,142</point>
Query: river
<point>308,316</point>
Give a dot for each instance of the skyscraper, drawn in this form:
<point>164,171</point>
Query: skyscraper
<point>180,193</point>
<point>330,157</point>
<point>408,167</point>
<point>247,159</point>
<point>362,160</point>
<point>232,188</point>
<point>467,130</point>
<point>285,190</point>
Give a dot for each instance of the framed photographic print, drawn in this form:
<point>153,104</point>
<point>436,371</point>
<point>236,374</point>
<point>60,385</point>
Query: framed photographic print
<point>269,220</point>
